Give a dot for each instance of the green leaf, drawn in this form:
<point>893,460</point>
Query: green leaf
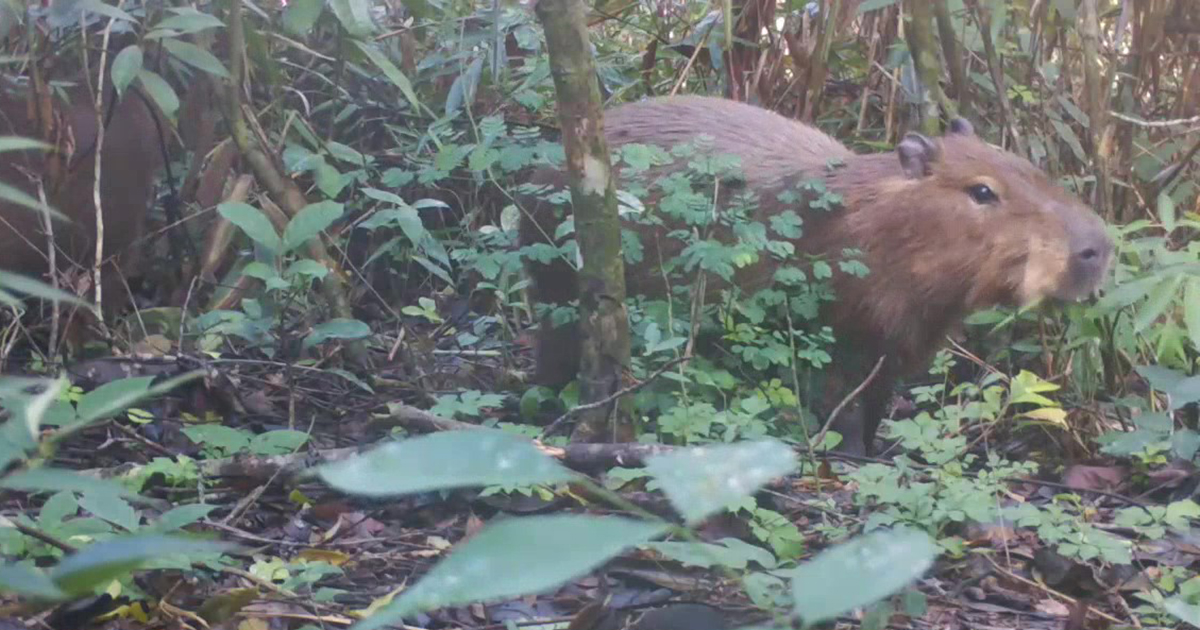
<point>21,143</point>
<point>1157,302</point>
<point>179,517</point>
<point>515,557</point>
<point>113,397</point>
<point>278,442</point>
<point>337,328</point>
<point>23,199</point>
<point>355,16</point>
<point>38,289</point>
<point>702,480</point>
<point>98,7</point>
<point>29,582</point>
<point>479,458</point>
<point>59,480</point>
<point>301,15</point>
<point>196,56</point>
<point>390,71</point>
<point>309,222</point>
<point>1191,311</point>
<point>186,20</point>
<point>126,66</point>
<point>102,562</point>
<point>1166,212</point>
<point>112,508</point>
<point>253,222</point>
<point>859,573</point>
<point>160,91</point>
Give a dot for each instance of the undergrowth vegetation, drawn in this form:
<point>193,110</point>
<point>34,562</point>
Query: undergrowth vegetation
<point>355,277</point>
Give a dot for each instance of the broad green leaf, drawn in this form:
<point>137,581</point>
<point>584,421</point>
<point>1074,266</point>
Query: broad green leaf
<point>1166,212</point>
<point>515,557</point>
<point>390,71</point>
<point>29,582</point>
<point>186,20</point>
<point>705,479</point>
<point>355,16</point>
<point>23,199</point>
<point>300,16</point>
<point>1159,377</point>
<point>259,270</point>
<point>444,461</point>
<point>112,397</point>
<point>111,508</point>
<point>180,517</point>
<point>309,222</point>
<point>338,328</point>
<point>21,143</point>
<point>1157,302</point>
<point>126,66</point>
<point>116,396</point>
<point>97,564</point>
<point>159,90</point>
<point>196,56</point>
<point>278,442</point>
<point>253,222</point>
<point>1191,311</point>
<point>859,573</point>
<point>108,11</point>
<point>58,480</point>
<point>38,289</point>
<point>307,267</point>
<point>1184,611</point>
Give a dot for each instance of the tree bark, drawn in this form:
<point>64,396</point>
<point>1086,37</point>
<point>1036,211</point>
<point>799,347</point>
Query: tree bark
<point>603,319</point>
<point>1096,102</point>
<point>954,61</point>
<point>921,43</point>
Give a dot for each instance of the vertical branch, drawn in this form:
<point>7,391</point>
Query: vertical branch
<point>954,61</point>
<point>97,161</point>
<point>1096,103</point>
<point>604,322</point>
<point>993,63</point>
<point>929,69</point>
<point>818,63</point>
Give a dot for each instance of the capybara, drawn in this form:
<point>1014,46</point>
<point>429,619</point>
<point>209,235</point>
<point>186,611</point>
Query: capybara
<point>945,226</point>
<point>132,158</point>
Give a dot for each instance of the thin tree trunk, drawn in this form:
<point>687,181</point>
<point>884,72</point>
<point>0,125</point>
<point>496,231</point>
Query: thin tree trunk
<point>983,19</point>
<point>954,61</point>
<point>603,319</point>
<point>929,69</point>
<point>1096,102</point>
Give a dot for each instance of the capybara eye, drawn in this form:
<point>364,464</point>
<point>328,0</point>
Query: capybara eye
<point>982,193</point>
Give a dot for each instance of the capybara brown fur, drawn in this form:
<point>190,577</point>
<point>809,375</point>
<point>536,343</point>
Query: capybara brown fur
<point>945,226</point>
<point>131,159</point>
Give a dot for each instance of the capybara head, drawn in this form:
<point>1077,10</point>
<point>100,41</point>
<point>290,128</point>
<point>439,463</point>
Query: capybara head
<point>1027,237</point>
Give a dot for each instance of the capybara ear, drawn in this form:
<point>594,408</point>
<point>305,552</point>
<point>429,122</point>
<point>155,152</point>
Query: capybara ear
<point>962,127</point>
<point>917,155</point>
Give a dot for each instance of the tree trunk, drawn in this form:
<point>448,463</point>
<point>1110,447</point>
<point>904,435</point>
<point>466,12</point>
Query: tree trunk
<point>921,43</point>
<point>603,319</point>
<point>1096,103</point>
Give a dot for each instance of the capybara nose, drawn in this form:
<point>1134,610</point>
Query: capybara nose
<point>1092,253</point>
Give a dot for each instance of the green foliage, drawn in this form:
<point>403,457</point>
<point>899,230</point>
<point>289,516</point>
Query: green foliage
<point>541,552</point>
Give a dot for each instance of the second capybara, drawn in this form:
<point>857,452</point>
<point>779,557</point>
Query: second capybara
<point>131,159</point>
<point>945,226</point>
